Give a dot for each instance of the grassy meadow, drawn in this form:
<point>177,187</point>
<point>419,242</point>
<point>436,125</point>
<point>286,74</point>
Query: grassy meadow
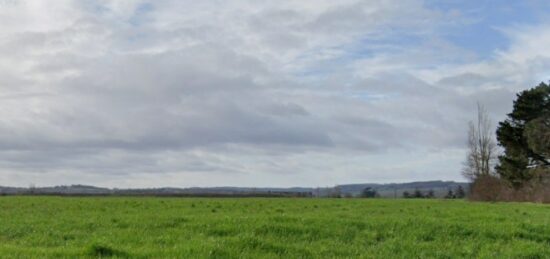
<point>63,227</point>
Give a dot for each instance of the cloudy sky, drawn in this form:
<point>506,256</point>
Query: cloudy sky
<point>255,93</point>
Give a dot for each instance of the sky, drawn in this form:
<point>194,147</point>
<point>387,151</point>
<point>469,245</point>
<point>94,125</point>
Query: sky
<point>256,93</point>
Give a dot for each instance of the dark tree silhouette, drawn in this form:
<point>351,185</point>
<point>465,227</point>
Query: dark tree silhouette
<point>369,193</point>
<point>430,194</point>
<point>460,194</point>
<point>418,194</point>
<point>520,135</point>
<point>450,194</point>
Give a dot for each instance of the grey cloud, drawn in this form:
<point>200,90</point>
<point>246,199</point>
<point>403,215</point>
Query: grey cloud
<point>468,79</point>
<point>195,90</point>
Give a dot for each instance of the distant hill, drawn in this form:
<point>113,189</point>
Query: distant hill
<point>390,190</point>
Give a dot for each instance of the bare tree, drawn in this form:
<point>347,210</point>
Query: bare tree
<point>482,148</point>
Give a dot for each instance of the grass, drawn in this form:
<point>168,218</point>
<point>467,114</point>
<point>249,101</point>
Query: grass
<point>57,227</point>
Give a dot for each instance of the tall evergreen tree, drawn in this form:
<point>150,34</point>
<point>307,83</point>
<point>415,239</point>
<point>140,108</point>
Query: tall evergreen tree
<point>524,124</point>
<point>537,133</point>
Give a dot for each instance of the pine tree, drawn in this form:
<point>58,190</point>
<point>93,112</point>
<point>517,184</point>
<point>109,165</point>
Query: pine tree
<point>537,133</point>
<point>523,127</point>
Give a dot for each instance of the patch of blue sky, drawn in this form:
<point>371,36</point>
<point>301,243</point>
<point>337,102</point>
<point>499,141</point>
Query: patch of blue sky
<point>368,47</point>
<point>482,34</point>
<point>94,7</point>
<point>140,14</point>
<point>364,48</point>
<point>138,18</point>
<point>321,63</point>
<point>477,29</point>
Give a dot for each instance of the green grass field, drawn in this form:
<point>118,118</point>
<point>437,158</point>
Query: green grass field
<point>270,228</point>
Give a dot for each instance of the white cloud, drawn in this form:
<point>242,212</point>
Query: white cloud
<point>131,93</point>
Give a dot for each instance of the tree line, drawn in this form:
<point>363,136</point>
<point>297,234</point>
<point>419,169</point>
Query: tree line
<point>458,193</point>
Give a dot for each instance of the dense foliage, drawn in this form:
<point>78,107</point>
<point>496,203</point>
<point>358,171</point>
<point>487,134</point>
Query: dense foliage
<point>53,227</point>
<point>525,137</point>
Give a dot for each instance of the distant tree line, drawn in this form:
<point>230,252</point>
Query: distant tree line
<point>458,193</point>
<point>367,192</point>
<point>521,172</point>
<point>418,194</point>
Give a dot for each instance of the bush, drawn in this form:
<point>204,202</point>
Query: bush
<point>492,188</point>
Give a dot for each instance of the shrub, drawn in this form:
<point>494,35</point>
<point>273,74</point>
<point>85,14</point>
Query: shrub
<point>491,188</point>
